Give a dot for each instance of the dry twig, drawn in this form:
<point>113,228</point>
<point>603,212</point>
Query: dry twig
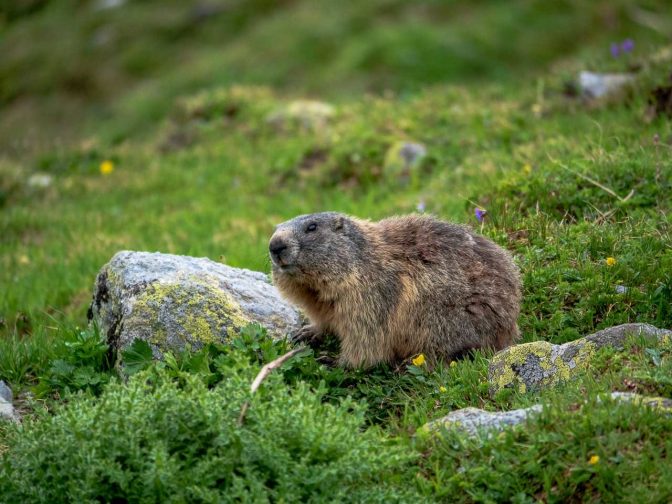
<point>263,374</point>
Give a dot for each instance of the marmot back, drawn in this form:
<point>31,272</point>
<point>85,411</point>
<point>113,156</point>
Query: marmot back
<point>398,287</point>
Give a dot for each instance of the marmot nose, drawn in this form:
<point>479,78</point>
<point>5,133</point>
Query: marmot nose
<point>276,247</point>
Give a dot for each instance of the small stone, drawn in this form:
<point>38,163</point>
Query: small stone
<point>5,392</point>
<point>176,302</point>
<point>108,4</point>
<point>540,364</point>
<point>6,409</point>
<point>309,114</point>
<point>102,36</point>
<point>595,85</point>
<point>474,421</point>
<point>40,180</point>
<point>403,157</point>
<point>621,289</point>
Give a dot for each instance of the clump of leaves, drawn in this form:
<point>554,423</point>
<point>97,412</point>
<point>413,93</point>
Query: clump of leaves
<point>82,363</point>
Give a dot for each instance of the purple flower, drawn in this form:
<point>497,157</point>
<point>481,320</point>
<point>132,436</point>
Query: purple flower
<point>627,45</point>
<point>480,214</point>
<point>615,50</point>
<point>420,207</point>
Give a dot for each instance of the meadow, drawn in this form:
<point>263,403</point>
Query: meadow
<point>166,138</point>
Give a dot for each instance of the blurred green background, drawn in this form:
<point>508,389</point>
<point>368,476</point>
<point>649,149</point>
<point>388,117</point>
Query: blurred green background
<point>72,67</point>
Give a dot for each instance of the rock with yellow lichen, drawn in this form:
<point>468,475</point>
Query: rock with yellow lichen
<point>177,302</point>
<point>539,364</point>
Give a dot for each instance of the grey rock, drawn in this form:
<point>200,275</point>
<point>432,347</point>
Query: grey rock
<point>173,302</point>
<point>596,85</point>
<point>660,403</point>
<point>40,180</point>
<point>474,421</point>
<point>108,4</point>
<point>5,392</point>
<point>539,364</point>
<point>6,409</point>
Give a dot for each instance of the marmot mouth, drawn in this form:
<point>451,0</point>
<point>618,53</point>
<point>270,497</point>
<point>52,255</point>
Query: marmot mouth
<point>286,268</point>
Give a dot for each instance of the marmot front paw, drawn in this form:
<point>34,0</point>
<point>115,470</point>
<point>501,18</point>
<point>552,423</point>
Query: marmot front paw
<point>310,335</point>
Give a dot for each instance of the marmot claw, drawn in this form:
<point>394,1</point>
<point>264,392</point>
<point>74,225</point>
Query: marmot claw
<point>310,335</point>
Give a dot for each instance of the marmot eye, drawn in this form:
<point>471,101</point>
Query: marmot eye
<point>311,227</point>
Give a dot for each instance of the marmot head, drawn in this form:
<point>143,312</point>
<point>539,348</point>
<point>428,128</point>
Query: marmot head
<point>316,248</point>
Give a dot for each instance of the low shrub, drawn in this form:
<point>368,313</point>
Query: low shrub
<point>156,439</point>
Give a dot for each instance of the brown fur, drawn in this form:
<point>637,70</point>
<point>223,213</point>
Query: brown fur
<point>398,287</point>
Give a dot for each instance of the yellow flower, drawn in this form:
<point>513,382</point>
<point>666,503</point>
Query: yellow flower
<point>106,167</point>
<point>443,389</point>
<point>594,459</point>
<point>610,261</point>
<point>419,360</point>
<point>453,363</point>
<point>24,259</point>
<point>527,168</point>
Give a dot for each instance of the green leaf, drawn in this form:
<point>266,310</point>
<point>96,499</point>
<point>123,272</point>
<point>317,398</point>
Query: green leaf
<point>137,357</point>
<point>60,367</point>
<point>655,356</point>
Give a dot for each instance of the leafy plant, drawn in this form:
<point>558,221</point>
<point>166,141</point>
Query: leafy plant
<point>82,363</point>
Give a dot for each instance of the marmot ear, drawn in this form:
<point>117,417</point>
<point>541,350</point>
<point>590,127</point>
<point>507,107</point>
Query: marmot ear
<point>339,222</point>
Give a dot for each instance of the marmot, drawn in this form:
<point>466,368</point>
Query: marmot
<point>396,288</point>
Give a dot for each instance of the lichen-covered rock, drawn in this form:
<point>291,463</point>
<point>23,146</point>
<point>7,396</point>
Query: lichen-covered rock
<point>474,420</point>
<point>175,301</point>
<point>531,366</point>
<point>404,157</point>
<point>6,408</point>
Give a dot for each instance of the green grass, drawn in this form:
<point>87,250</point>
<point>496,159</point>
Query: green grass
<point>200,170</point>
